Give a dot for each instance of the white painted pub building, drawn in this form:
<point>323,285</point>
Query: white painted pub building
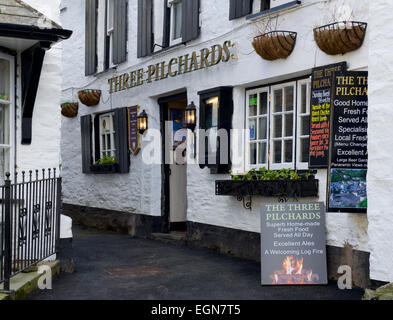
<point>162,56</point>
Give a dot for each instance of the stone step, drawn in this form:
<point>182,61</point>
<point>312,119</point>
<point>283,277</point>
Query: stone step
<point>173,237</point>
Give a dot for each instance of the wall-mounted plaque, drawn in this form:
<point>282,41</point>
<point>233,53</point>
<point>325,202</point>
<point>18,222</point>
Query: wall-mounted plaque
<point>293,244</point>
<point>133,134</point>
<point>321,84</point>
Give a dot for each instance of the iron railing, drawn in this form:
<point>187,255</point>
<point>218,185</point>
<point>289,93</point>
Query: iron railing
<point>29,221</point>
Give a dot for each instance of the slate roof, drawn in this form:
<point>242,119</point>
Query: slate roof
<point>18,12</point>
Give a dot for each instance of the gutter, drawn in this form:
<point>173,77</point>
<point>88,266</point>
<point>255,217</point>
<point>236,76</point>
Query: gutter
<point>33,32</point>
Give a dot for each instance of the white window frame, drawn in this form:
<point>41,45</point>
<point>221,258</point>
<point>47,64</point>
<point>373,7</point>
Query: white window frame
<point>296,163</point>
<point>257,141</point>
<point>299,164</point>
<point>283,138</point>
<point>172,5</point>
<point>10,103</point>
<point>111,131</point>
<point>110,14</point>
<point>110,29</point>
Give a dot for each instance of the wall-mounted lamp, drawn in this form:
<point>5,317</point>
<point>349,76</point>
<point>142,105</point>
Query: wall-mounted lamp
<point>142,122</point>
<point>190,116</point>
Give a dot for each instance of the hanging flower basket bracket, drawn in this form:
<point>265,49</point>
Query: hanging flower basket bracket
<point>275,44</point>
<point>340,37</point>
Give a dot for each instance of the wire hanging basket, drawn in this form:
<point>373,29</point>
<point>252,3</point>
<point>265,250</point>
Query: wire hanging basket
<point>89,97</point>
<point>69,109</point>
<point>275,44</point>
<point>340,37</point>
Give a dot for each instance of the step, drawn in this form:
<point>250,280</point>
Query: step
<point>172,237</point>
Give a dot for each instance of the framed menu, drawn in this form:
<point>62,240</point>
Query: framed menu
<point>321,85</point>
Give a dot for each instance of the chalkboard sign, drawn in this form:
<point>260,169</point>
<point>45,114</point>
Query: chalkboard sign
<point>133,134</point>
<point>349,152</point>
<point>293,244</point>
<point>321,85</point>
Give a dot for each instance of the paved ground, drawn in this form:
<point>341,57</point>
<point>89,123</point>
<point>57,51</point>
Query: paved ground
<point>111,266</point>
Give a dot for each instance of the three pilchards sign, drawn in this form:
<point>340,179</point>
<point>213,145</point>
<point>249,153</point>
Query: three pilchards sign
<point>293,244</point>
<point>176,66</point>
<point>321,85</point>
<point>133,134</point>
<point>349,152</point>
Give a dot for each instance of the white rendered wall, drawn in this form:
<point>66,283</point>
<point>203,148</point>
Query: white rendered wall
<point>44,151</point>
<point>380,172</point>
<point>140,191</point>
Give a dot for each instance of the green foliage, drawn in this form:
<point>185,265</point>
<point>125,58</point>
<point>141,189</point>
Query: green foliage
<point>264,174</point>
<point>106,160</point>
<point>363,204</point>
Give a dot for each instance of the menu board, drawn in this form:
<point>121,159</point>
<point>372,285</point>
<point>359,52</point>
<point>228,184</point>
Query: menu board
<point>321,84</point>
<point>293,244</point>
<point>349,152</point>
<point>133,134</point>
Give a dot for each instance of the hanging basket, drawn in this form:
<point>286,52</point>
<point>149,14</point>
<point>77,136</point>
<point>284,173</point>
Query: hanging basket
<point>340,37</point>
<point>69,109</point>
<point>275,45</point>
<point>89,98</point>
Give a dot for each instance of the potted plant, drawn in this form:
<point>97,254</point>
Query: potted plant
<point>89,97</point>
<point>271,43</point>
<point>105,165</point>
<point>269,183</point>
<point>340,37</point>
<point>69,109</point>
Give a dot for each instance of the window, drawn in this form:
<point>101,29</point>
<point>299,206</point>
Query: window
<point>241,8</point>
<point>303,124</point>
<point>110,16</point>
<point>107,136</point>
<point>103,135</point>
<point>109,34</point>
<point>278,121</point>
<point>106,34</point>
<point>258,125</point>
<point>176,21</point>
<point>215,120</point>
<point>6,114</point>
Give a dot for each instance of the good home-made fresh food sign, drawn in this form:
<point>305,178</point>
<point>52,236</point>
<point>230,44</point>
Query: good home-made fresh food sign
<point>349,151</point>
<point>293,244</point>
<point>176,66</point>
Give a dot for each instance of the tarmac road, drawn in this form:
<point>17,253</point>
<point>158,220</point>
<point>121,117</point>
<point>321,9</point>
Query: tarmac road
<point>116,267</point>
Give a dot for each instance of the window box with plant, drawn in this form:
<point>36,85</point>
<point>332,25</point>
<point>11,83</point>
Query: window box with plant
<point>105,165</point>
<point>270,183</point>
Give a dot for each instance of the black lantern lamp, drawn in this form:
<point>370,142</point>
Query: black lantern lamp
<point>142,122</point>
<point>190,116</point>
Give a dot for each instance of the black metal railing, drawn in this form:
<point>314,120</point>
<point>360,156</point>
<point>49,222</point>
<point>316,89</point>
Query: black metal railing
<point>29,221</point>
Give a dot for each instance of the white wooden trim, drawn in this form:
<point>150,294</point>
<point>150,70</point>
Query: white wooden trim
<point>258,116</point>
<point>302,165</point>
<point>11,104</point>
<point>282,165</point>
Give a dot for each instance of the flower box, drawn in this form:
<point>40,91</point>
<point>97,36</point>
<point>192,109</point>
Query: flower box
<point>275,45</point>
<point>268,188</point>
<point>340,37</point>
<point>104,168</point>
<point>89,98</point>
